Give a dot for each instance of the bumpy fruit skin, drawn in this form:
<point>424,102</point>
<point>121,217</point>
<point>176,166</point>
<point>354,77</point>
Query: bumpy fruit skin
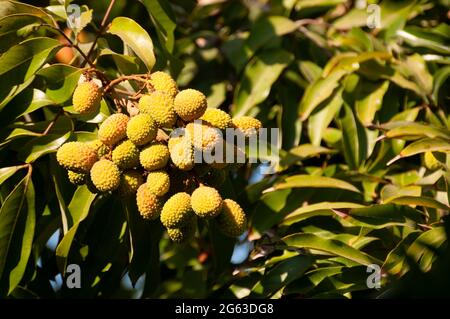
<point>177,211</point>
<point>148,204</point>
<point>154,156</point>
<point>232,220</point>
<point>162,81</point>
<point>203,136</point>
<point>431,162</point>
<point>126,155</point>
<point>105,175</point>
<point>206,202</point>
<point>99,147</point>
<point>86,97</point>
<point>113,129</point>
<point>159,106</point>
<point>217,118</point>
<point>183,234</point>
<point>182,153</point>
<point>247,125</point>
<point>190,104</point>
<point>130,182</point>
<point>77,178</point>
<point>141,129</point>
<point>76,156</point>
<point>158,182</point>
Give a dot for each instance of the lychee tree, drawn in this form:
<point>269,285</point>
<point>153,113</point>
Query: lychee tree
<point>93,174</point>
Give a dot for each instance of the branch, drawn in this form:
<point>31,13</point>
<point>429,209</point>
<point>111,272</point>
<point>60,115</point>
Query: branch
<point>52,123</point>
<point>137,77</point>
<point>100,31</point>
<point>70,42</point>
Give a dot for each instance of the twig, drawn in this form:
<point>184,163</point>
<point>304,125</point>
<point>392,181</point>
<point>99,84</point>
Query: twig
<point>100,31</point>
<point>57,29</point>
<point>137,77</point>
<point>52,123</point>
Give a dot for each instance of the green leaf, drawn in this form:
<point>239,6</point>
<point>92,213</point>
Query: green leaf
<point>309,181</point>
<point>415,67</point>
<point>20,62</point>
<point>418,37</point>
<point>144,238</point>
<point>14,7</point>
<point>303,4</point>
<point>413,130</point>
<point>318,92</point>
<point>164,20</point>
<point>330,246</point>
<point>420,201</point>
<point>42,145</point>
<point>15,28</point>
<point>134,36</point>
<point>126,64</point>
<point>281,275</point>
<point>354,139</point>
<point>320,120</point>
<point>61,81</point>
<point>299,153</point>
<point>7,172</point>
<point>370,102</point>
<point>337,67</point>
<point>79,209</point>
<point>262,32</point>
<point>319,209</point>
<point>258,77</point>
<point>440,78</point>
<point>17,223</point>
<point>29,100</point>
<point>291,126</point>
<point>380,216</point>
<point>422,146</point>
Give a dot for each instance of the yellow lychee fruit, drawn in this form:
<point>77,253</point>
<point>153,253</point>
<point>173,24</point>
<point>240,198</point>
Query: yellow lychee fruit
<point>155,156</point>
<point>184,233</point>
<point>177,211</point>
<point>77,178</point>
<point>162,81</point>
<point>76,156</point>
<point>126,155</point>
<point>99,147</point>
<point>158,182</point>
<point>159,106</point>
<point>203,136</point>
<point>113,129</point>
<point>105,175</point>
<point>182,153</point>
<point>149,205</point>
<point>190,104</point>
<point>247,125</point>
<point>86,97</point>
<point>431,162</point>
<point>206,202</point>
<point>141,129</point>
<point>232,220</point>
<point>130,182</point>
<point>217,118</point>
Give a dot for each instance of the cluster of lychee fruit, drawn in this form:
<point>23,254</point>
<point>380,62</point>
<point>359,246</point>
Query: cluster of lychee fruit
<point>138,156</point>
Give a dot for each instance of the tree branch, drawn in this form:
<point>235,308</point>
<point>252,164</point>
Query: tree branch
<point>100,31</point>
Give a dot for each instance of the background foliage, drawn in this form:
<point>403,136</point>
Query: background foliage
<point>357,108</point>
